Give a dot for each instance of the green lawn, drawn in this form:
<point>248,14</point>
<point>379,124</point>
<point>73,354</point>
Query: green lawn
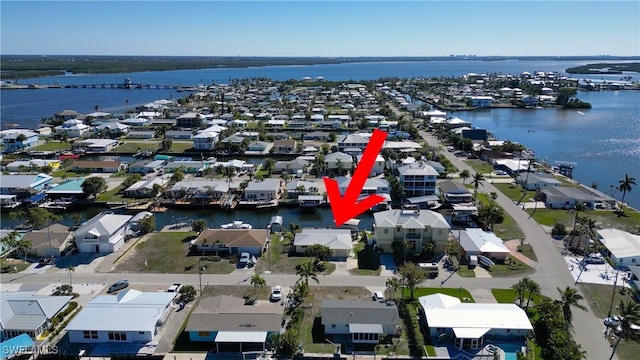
<point>464,271</point>
<point>133,147</point>
<point>113,195</point>
<point>606,219</point>
<point>462,294</point>
<point>68,174</point>
<point>178,147</point>
<point>283,261</point>
<point>508,296</point>
<point>514,192</point>
<point>527,251</point>
<point>11,265</point>
<point>508,229</point>
<point>52,146</point>
<point>514,268</point>
<point>168,252</point>
<point>479,166</point>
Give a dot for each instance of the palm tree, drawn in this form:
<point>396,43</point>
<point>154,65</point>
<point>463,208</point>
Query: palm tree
<point>569,298</point>
<point>577,208</point>
<point>520,287</point>
<point>533,288</point>
<point>23,246</point>
<point>229,172</point>
<point>464,175</point>
<point>306,271</point>
<point>400,247</point>
<point>258,282</point>
<point>70,269</point>
<point>630,314</point>
<point>339,166</point>
<point>10,241</point>
<point>392,286</point>
<point>625,185</point>
<point>477,181</point>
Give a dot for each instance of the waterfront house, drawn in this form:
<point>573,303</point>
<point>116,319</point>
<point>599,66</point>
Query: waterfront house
<point>233,327</point>
<point>11,142</point>
<point>187,166</point>
<point>141,134</point>
<point>316,135</point>
<point>622,247</point>
<point>145,166</point>
<point>353,141</point>
<point>68,188</point>
<point>233,139</point>
<point>284,146</point>
<point>205,140</point>
<point>97,166</point>
<point>268,189</point>
<point>73,128</point>
<point>200,189</point>
<point>104,233</point>
<point>232,241</point>
<point>53,240</point>
<point>136,122</point>
<point>190,120</point>
<point>371,186</point>
<point>178,134</point>
<point>338,162</point>
<point>24,185</point>
<point>481,101</point>
<point>109,318</point>
<point>258,147</point>
<point>566,197</point>
<point>337,240</point>
<point>95,145</point>
<point>457,123</point>
<point>511,166</point>
<point>363,322</point>
<point>378,165</point>
<point>144,188</point>
<point>454,192</point>
<point>113,129</point>
<point>415,227</point>
<point>418,179</point>
<point>294,166</point>
<point>471,324</point>
<point>28,313</point>
<point>31,165</point>
<point>296,188</point>
<point>533,181</point>
<point>67,114</point>
<point>475,241</point>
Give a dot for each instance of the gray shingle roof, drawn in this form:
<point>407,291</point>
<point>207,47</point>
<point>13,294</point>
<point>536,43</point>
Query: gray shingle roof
<point>359,312</point>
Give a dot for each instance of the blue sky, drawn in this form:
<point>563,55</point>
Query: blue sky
<point>320,28</point>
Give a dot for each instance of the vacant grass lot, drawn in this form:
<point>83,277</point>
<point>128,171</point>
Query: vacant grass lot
<point>598,298</point>
<point>52,146</point>
<point>178,147</point>
<point>605,218</point>
<point>514,192</point>
<point>136,146</point>
<point>508,296</point>
<point>479,166</point>
<point>508,229</point>
<point>11,265</point>
<point>283,260</point>
<point>463,294</point>
<point>113,195</point>
<point>168,253</point>
<point>514,267</point>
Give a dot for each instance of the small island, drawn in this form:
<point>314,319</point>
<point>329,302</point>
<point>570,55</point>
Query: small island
<point>605,68</point>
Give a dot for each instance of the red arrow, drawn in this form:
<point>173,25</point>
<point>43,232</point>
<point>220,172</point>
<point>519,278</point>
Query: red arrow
<point>347,207</point>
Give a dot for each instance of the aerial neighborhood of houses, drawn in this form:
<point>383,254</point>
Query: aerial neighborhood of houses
<point>131,205</point>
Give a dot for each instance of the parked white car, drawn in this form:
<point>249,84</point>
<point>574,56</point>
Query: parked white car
<point>378,296</point>
<point>613,321</point>
<point>276,293</point>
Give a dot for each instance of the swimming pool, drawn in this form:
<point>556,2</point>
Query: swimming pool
<point>510,349</point>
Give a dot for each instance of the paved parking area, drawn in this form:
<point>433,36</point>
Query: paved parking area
<point>594,273</point>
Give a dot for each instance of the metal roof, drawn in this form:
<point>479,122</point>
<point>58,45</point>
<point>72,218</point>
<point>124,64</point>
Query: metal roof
<point>241,336</point>
<point>365,328</point>
<point>359,312</point>
<point>335,239</point>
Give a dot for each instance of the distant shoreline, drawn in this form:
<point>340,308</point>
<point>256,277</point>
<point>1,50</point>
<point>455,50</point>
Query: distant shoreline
<point>36,66</point>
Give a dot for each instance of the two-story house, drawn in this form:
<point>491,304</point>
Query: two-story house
<point>284,146</point>
<point>24,185</point>
<point>19,140</point>
<point>353,141</point>
<point>338,162</point>
<point>418,179</point>
<point>104,233</point>
<point>416,227</point>
<point>205,140</point>
<point>378,165</point>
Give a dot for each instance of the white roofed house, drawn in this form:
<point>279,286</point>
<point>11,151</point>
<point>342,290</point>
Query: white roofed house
<point>24,185</point>
<point>622,247</point>
<point>268,189</point>
<point>73,128</point>
<point>11,143</point>
<point>104,233</point>
<point>378,165</point>
<point>113,128</point>
<point>200,189</point>
<point>144,188</point>
<point>353,141</point>
<point>338,240</point>
<point>472,324</point>
<point>205,140</point>
<point>475,241</point>
<point>130,316</point>
<point>292,166</point>
<point>418,179</point>
<point>27,313</point>
<point>296,188</point>
<point>533,181</point>
<point>416,227</point>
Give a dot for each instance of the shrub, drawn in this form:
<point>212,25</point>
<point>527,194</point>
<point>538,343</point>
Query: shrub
<point>559,230</point>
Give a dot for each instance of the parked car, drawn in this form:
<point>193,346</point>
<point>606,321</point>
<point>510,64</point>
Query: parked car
<point>246,259</point>
<point>174,288</point>
<point>594,260</point>
<point>118,285</point>
<point>501,172</point>
<point>378,296</point>
<point>613,321</point>
<point>46,260</point>
<point>276,293</point>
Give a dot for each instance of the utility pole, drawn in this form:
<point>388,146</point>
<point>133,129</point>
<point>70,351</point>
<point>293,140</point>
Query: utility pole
<point>200,274</point>
<point>613,294</point>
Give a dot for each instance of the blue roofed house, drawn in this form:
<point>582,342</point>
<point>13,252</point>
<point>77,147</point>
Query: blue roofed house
<point>104,233</point>
<point>131,316</point>
<point>28,313</point>
<point>11,143</point>
<point>24,185</point>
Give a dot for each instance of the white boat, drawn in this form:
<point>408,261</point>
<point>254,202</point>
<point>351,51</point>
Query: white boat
<point>238,224</point>
<point>485,261</point>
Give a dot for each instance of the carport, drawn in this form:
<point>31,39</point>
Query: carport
<point>240,341</point>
